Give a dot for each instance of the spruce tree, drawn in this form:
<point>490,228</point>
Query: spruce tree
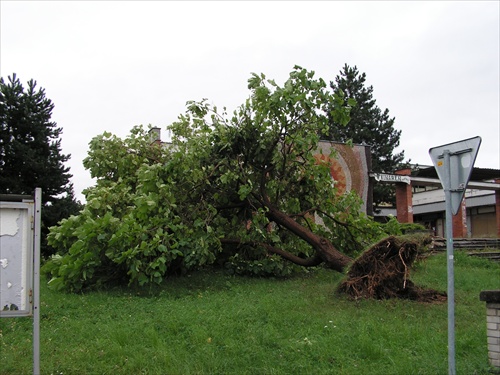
<point>368,125</point>
<point>30,152</point>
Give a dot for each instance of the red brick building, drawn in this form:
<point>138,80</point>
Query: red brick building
<point>420,199</point>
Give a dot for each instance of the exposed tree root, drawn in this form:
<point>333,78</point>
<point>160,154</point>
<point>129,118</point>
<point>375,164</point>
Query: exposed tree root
<point>383,270</point>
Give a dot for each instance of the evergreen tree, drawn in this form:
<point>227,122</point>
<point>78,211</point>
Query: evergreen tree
<point>30,152</point>
<point>368,125</point>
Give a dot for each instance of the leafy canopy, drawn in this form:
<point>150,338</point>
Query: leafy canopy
<point>242,190</point>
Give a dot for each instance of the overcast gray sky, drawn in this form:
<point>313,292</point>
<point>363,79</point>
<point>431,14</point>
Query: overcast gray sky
<point>108,66</point>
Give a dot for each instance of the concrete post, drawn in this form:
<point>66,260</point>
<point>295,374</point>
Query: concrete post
<point>492,299</point>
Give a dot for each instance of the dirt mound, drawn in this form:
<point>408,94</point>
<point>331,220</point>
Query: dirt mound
<point>383,270</point>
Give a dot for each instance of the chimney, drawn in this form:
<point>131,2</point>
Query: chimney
<point>155,134</point>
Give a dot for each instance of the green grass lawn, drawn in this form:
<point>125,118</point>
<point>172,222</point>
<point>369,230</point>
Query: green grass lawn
<point>214,323</point>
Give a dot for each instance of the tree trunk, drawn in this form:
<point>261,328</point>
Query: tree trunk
<point>333,258</point>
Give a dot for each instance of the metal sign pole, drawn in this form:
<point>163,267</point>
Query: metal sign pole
<point>36,282</point>
<point>450,265</point>
<point>454,163</point>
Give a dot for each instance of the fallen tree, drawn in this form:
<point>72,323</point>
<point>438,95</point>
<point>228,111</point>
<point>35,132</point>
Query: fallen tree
<point>245,191</point>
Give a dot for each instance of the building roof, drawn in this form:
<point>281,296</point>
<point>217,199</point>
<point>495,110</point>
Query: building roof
<point>478,174</point>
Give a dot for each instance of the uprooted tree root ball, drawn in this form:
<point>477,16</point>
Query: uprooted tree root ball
<point>383,272</point>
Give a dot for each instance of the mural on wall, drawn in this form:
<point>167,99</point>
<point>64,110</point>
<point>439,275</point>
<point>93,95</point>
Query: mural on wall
<point>349,168</point>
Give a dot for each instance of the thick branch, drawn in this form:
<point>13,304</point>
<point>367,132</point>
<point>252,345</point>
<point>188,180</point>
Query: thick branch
<point>334,258</point>
<point>308,262</point>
